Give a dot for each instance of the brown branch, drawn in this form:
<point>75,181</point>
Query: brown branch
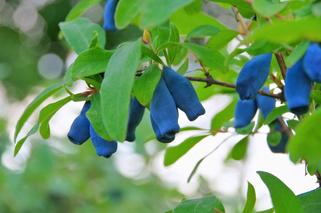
<point>211,81</point>
<point>319,178</point>
<point>281,62</point>
<point>240,20</point>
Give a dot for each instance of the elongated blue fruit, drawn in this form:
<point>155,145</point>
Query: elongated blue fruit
<point>244,113</point>
<point>135,117</point>
<point>109,15</point>
<point>163,113</point>
<point>183,93</point>
<point>297,89</point>
<point>281,147</point>
<point>103,148</point>
<point>253,75</point>
<point>79,130</point>
<point>312,62</point>
<point>265,103</point>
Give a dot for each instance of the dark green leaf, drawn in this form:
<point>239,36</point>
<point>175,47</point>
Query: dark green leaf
<point>251,199</point>
<point>126,11</point>
<point>20,143</point>
<point>283,199</point>
<point>243,6</point>
<point>194,20</point>
<point>117,87</point>
<point>239,150</point>
<point>174,153</point>
<point>203,31</point>
<point>222,117</point>
<point>289,31</point>
<point>268,8</point>
<point>221,39</point>
<point>276,112</point>
<point>34,105</point>
<point>155,12</point>
<point>306,143</point>
<point>47,113</point>
<point>211,58</point>
<point>90,62</point>
<point>79,33</point>
<point>145,85</point>
<point>311,201</point>
<point>95,118</point>
<point>80,8</point>
<point>202,205</point>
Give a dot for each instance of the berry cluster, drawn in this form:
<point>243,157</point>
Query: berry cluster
<point>250,80</point>
<point>173,91</point>
<point>299,79</point>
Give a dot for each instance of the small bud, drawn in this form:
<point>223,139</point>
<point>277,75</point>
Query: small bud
<point>146,37</point>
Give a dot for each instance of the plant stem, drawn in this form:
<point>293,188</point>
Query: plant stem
<point>280,58</point>
<point>211,81</point>
<point>240,20</point>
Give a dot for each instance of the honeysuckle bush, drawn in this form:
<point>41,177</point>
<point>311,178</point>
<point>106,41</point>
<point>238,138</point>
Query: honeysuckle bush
<point>273,71</point>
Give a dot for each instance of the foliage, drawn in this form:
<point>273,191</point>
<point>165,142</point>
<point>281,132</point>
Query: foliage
<point>169,34</point>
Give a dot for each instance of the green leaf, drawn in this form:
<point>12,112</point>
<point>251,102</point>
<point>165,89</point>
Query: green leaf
<point>146,52</point>
<point>20,143</point>
<point>47,113</point>
<point>146,84</point>
<point>311,201</point>
<point>306,143</point>
<point>239,150</point>
<point>243,6</point>
<point>283,199</point>
<point>95,118</point>
<point>80,8</point>
<point>208,204</point>
<point>297,53</point>
<point>117,86</point>
<point>221,39</point>
<point>79,33</point>
<point>276,112</point>
<point>211,58</point>
<point>203,31</point>
<point>268,8</point>
<point>316,9</point>
<point>44,95</point>
<point>126,11</point>
<point>289,31</point>
<point>194,20</point>
<point>222,117</point>
<point>251,199</point>
<point>90,62</point>
<point>155,12</point>
<point>174,153</point>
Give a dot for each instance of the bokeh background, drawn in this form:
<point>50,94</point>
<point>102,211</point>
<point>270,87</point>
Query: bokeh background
<point>56,176</point>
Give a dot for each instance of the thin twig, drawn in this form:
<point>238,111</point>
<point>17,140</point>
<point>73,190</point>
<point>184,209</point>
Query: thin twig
<point>319,178</point>
<point>281,62</point>
<point>211,81</point>
<point>240,20</point>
